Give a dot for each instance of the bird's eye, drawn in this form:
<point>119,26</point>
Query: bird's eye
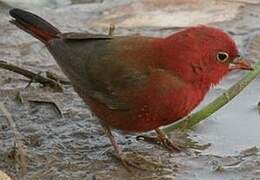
<point>222,56</point>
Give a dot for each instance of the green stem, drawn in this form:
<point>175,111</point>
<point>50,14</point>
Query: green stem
<point>205,112</point>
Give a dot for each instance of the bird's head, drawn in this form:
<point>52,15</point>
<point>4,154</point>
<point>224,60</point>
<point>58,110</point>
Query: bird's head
<point>201,55</point>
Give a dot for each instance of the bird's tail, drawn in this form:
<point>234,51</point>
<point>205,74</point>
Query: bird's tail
<point>34,25</point>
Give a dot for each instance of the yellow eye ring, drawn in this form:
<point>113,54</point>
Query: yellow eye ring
<point>222,56</point>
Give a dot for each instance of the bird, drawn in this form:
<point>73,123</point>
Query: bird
<point>138,83</point>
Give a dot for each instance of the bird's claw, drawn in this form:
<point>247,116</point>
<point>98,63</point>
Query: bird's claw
<point>164,141</point>
<point>138,161</point>
<point>154,140</point>
<point>170,145</point>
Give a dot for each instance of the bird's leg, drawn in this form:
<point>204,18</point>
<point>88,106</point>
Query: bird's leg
<point>135,162</point>
<point>118,153</point>
<point>112,140</point>
<point>161,139</point>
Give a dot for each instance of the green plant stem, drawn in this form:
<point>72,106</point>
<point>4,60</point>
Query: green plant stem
<point>212,107</point>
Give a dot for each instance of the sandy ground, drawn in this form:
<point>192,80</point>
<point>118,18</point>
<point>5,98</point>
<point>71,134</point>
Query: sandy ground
<point>73,145</point>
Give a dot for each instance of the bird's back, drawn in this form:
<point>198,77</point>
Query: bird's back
<point>121,79</point>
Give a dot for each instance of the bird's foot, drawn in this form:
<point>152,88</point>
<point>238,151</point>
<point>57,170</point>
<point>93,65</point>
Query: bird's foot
<point>173,147</point>
<point>131,159</point>
<point>134,160</point>
<point>163,141</point>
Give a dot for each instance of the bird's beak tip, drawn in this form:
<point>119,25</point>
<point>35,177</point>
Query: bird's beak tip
<point>240,63</point>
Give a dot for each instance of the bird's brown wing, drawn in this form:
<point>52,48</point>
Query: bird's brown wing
<point>101,67</point>
<point>108,92</point>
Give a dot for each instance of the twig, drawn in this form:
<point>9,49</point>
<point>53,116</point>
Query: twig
<point>173,28</point>
<point>111,29</point>
<point>242,2</point>
<point>31,75</point>
<point>197,117</point>
<point>20,155</point>
<point>19,97</point>
<point>57,78</point>
<point>258,107</point>
<point>56,107</point>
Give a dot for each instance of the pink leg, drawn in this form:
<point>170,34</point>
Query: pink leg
<point>161,139</point>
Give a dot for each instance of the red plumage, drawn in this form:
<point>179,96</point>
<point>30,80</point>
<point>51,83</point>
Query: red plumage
<point>137,83</point>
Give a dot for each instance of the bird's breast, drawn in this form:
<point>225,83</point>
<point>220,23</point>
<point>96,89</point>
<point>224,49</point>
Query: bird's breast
<point>149,110</point>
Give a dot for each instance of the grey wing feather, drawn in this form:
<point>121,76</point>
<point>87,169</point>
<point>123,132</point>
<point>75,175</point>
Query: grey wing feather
<point>83,36</point>
<point>112,102</point>
<point>74,68</point>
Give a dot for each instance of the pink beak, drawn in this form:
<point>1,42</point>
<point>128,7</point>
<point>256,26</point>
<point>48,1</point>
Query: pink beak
<point>240,63</point>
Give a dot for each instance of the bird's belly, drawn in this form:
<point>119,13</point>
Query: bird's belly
<point>144,118</point>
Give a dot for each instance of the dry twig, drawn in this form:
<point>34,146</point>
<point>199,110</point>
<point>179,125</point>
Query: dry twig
<point>56,107</point>
<point>20,154</point>
<point>31,75</point>
<point>57,78</point>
